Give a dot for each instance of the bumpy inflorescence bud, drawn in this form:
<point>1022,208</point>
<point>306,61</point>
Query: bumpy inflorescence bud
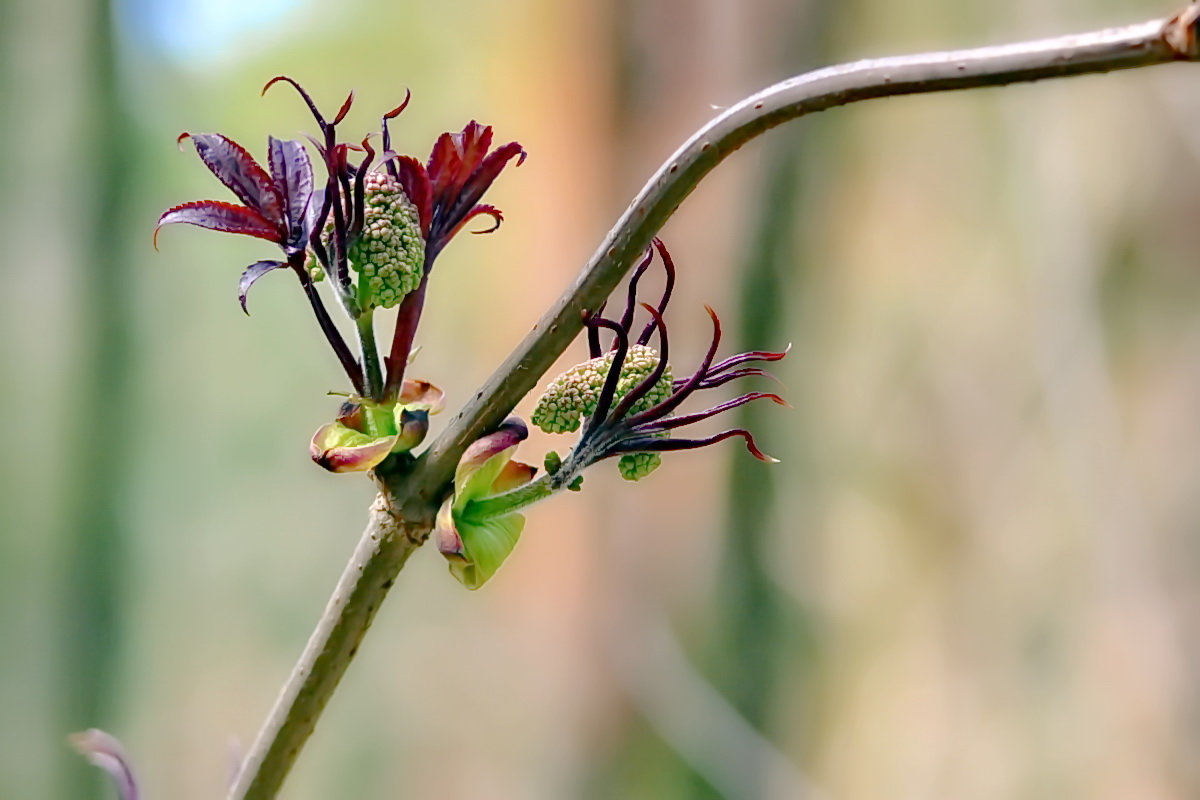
<point>635,466</point>
<point>573,395</point>
<point>389,255</point>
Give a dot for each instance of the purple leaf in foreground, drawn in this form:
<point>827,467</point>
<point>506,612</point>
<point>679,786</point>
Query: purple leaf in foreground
<point>238,170</point>
<point>219,216</point>
<point>251,274</point>
<point>292,172</point>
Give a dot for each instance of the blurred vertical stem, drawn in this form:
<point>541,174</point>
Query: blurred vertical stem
<point>95,539</point>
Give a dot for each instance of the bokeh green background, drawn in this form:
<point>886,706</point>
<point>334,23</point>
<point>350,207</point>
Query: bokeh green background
<point>973,575</point>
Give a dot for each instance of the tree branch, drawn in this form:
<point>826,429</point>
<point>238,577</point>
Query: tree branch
<point>385,545</point>
<point>402,517</point>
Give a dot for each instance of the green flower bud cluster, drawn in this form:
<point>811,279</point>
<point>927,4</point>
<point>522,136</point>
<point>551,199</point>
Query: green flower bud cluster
<point>574,394</point>
<point>315,270</point>
<point>389,255</point>
<point>635,466</point>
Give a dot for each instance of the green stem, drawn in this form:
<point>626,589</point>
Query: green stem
<point>370,355</point>
<point>498,505</point>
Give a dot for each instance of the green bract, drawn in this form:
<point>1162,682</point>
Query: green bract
<point>573,395</point>
<point>339,448</point>
<point>476,545</point>
<point>365,432</point>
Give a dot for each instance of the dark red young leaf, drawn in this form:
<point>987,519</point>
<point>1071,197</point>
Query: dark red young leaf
<point>490,168</point>
<point>398,110</point>
<point>734,375</point>
<point>608,390</point>
<point>653,445</point>
<point>670,423</point>
<point>312,107</point>
<point>344,110</point>
<point>455,157</point>
<point>251,274</point>
<point>684,390</point>
<point>452,209</point>
<point>219,216</point>
<point>650,381</point>
<point>293,174</point>
<point>668,288</point>
<point>238,170</point>
<point>414,179</point>
<point>742,358</point>
<point>480,210</point>
<point>391,115</point>
<point>631,301</point>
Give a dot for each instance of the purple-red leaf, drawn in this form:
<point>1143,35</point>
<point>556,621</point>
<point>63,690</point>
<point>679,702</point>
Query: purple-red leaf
<point>742,358</point>
<point>470,187</point>
<point>414,178</point>
<point>486,172</point>
<point>682,392</point>
<point>482,209</point>
<point>292,172</point>
<point>251,274</point>
<point>219,216</point>
<point>396,112</point>
<point>238,170</point>
<point>318,213</point>
<point>650,381</point>
<point>631,302</point>
<point>345,109</point>
<point>733,375</point>
<point>670,423</point>
<point>303,94</point>
<point>652,445</point>
<point>460,170</point>
<point>455,156</point>
<point>668,287</point>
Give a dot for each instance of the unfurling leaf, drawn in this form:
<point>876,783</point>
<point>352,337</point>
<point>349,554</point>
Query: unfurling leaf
<point>476,546</point>
<point>475,550</point>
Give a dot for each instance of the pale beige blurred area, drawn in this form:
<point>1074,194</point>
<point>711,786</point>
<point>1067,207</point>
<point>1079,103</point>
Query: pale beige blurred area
<point>978,559</point>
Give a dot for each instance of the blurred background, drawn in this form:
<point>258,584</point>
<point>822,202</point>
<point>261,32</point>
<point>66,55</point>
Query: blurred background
<point>975,573</point>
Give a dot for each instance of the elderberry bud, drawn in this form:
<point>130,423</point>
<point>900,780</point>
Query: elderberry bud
<point>574,394</point>
<point>389,254</point>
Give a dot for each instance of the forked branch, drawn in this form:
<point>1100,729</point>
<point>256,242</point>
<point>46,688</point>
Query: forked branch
<point>410,492</point>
